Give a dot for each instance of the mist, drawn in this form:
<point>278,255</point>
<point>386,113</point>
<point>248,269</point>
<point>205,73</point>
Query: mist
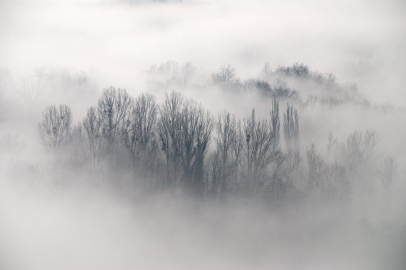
<point>128,134</point>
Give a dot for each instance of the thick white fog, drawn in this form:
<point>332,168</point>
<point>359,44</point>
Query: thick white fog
<point>358,41</point>
<point>326,189</point>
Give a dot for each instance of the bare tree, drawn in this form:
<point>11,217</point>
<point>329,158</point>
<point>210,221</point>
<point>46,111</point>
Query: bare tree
<point>55,127</point>
<point>203,136</point>
<point>387,171</point>
<point>315,165</point>
<point>260,150</point>
<point>114,110</point>
<point>226,78</point>
<point>225,159</point>
<point>359,150</point>
<point>275,121</point>
<point>96,146</point>
<point>291,129</point>
<point>335,182</point>
<point>225,75</point>
<point>169,129</point>
<point>185,131</point>
<point>214,177</point>
<point>196,127</point>
<point>140,138</point>
<point>291,134</point>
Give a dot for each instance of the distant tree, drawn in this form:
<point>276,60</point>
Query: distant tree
<point>330,92</point>
<point>331,102</point>
<point>315,165</point>
<point>275,121</point>
<point>387,171</point>
<point>226,74</point>
<point>281,91</point>
<point>291,129</point>
<point>11,143</point>
<point>291,134</point>
<point>267,70</point>
<point>74,87</point>
<point>359,148</point>
<point>335,182</point>
<point>265,88</point>
<point>55,127</point>
<point>170,74</point>
<point>311,101</point>
<point>32,87</point>
<point>332,145</point>
<point>297,70</point>
<point>357,154</point>
<point>226,78</point>
<point>188,70</point>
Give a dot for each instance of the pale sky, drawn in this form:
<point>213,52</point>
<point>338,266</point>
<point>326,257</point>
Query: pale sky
<point>359,41</point>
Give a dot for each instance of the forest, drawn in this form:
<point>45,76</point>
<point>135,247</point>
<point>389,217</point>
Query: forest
<point>179,145</point>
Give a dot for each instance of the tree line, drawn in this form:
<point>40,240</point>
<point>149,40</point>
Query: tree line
<point>178,144</point>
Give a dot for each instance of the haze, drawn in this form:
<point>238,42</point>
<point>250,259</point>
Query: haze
<point>331,197</point>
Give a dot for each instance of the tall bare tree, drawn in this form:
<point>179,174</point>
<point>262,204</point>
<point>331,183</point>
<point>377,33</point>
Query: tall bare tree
<point>169,129</point>
<point>228,151</point>
<point>291,135</point>
<point>261,148</point>
<point>291,129</point>
<point>114,111</point>
<point>202,141</point>
<point>140,137</point>
<point>96,146</point>
<point>185,132</point>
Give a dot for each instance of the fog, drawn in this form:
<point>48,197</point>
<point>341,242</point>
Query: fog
<point>360,42</point>
<point>77,194</point>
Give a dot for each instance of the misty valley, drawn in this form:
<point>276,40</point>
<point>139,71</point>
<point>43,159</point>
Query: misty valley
<point>255,180</point>
<point>202,134</point>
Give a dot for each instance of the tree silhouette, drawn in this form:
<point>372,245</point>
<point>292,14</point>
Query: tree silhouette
<point>55,127</point>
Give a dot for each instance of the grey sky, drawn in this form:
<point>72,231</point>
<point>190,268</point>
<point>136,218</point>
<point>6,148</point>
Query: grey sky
<point>359,41</point>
